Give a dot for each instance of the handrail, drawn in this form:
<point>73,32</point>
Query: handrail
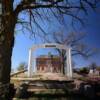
<point>16,73</point>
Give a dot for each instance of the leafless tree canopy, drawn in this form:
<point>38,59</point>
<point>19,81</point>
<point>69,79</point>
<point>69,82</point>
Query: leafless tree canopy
<point>75,41</point>
<point>44,9</point>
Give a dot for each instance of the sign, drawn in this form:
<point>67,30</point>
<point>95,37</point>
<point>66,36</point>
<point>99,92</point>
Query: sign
<point>51,46</point>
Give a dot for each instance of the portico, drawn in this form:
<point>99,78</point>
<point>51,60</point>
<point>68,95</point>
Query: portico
<point>32,68</point>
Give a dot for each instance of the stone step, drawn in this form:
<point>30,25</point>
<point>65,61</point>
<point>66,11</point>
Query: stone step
<point>47,91</point>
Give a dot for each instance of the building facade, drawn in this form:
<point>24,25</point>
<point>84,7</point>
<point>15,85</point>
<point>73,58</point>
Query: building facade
<point>49,64</point>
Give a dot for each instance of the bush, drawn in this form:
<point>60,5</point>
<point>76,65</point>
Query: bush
<point>84,70</point>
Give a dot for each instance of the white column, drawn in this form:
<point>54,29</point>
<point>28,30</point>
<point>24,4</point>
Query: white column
<point>30,64</point>
<point>69,65</point>
<point>69,62</point>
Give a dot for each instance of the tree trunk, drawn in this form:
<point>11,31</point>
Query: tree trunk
<point>63,59</point>
<point>5,67</point>
<point>5,60</point>
<point>6,47</point>
<point>8,22</point>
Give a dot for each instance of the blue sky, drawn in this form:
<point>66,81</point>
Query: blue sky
<point>92,28</point>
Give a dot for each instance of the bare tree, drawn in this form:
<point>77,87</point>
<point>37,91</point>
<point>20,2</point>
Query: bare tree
<point>74,40</point>
<point>10,17</point>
